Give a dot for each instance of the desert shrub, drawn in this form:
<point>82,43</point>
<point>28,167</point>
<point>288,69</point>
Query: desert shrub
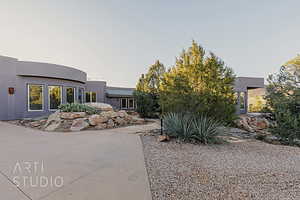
<point>283,101</point>
<point>191,128</point>
<point>76,107</point>
<point>147,104</point>
<point>288,125</point>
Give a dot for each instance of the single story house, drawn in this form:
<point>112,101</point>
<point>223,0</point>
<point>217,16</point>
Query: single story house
<point>33,89</point>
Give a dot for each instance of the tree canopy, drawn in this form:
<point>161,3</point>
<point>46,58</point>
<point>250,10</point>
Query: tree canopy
<point>199,84</point>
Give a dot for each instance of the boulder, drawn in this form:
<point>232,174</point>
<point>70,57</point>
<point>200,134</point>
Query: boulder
<point>53,117</point>
<point>53,126</point>
<point>163,138</point>
<point>110,114</point>
<point>94,120</point>
<point>79,124</point>
<point>110,123</point>
<point>120,121</point>
<point>100,106</point>
<point>72,115</point>
<point>136,120</point>
<point>242,123</point>
<point>35,124</point>
<point>122,114</point>
<point>101,126</point>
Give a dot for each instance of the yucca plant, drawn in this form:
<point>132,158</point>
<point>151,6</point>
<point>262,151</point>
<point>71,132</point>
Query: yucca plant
<point>191,128</point>
<point>206,129</point>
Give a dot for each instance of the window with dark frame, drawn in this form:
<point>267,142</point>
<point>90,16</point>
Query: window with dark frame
<point>70,95</point>
<point>35,97</point>
<point>123,103</point>
<point>131,103</point>
<point>55,97</point>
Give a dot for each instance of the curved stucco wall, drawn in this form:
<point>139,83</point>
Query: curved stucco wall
<point>36,69</point>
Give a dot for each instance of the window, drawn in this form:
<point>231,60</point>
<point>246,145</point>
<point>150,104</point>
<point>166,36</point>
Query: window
<point>131,103</point>
<point>94,96</point>
<point>80,95</point>
<point>70,93</point>
<point>90,97</point>
<point>242,101</point>
<point>124,103</point>
<point>55,97</point>
<point>35,98</point>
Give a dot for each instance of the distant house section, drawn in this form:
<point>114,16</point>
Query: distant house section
<point>120,98</point>
<point>242,87</point>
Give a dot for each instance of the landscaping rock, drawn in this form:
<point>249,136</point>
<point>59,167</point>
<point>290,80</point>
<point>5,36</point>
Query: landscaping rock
<point>101,126</point>
<point>35,124</point>
<point>120,121</point>
<point>136,120</point>
<point>53,126</point>
<point>122,114</point>
<point>254,123</point>
<point>110,114</point>
<point>100,106</point>
<point>77,121</point>
<point>110,123</point>
<point>97,119</point>
<point>72,115</point>
<point>79,124</point>
<point>163,138</point>
<point>53,117</point>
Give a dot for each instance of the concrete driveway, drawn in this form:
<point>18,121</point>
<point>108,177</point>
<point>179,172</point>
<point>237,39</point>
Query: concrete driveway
<point>89,165</point>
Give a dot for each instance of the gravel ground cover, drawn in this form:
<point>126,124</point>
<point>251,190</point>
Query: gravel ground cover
<point>243,169</point>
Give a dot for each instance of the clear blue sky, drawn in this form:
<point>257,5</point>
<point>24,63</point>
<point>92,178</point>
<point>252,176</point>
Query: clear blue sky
<point>116,41</point>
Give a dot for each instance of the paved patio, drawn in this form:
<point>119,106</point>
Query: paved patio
<point>106,164</point>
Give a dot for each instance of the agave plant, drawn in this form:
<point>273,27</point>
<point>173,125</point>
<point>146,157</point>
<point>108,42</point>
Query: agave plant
<point>206,129</point>
<point>191,128</point>
<point>178,125</point>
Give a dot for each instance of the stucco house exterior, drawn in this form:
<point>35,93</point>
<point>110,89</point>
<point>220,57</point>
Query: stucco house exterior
<point>33,89</point>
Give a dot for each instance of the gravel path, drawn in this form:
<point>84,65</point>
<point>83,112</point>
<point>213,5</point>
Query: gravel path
<point>246,169</point>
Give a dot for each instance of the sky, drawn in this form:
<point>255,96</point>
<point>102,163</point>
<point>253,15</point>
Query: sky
<point>117,41</point>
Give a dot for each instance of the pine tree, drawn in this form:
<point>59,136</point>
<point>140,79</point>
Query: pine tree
<point>199,84</point>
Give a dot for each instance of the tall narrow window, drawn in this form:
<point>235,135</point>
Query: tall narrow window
<point>94,97</point>
<point>70,93</point>
<point>35,98</point>
<point>124,103</point>
<point>87,97</point>
<point>80,95</point>
<point>242,101</point>
<point>131,103</point>
<point>91,97</point>
<point>55,97</point>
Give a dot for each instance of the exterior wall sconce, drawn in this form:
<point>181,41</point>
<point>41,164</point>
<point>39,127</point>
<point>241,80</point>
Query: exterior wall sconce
<point>11,90</point>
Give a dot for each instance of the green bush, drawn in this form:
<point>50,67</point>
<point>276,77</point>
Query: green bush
<point>283,101</point>
<point>288,126</point>
<point>191,128</point>
<point>76,107</point>
<point>147,104</point>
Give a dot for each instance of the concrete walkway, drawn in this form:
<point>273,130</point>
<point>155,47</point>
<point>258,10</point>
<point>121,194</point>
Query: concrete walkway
<point>89,165</point>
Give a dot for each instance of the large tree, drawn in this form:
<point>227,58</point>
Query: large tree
<point>147,90</point>
<point>151,81</point>
<point>199,84</point>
